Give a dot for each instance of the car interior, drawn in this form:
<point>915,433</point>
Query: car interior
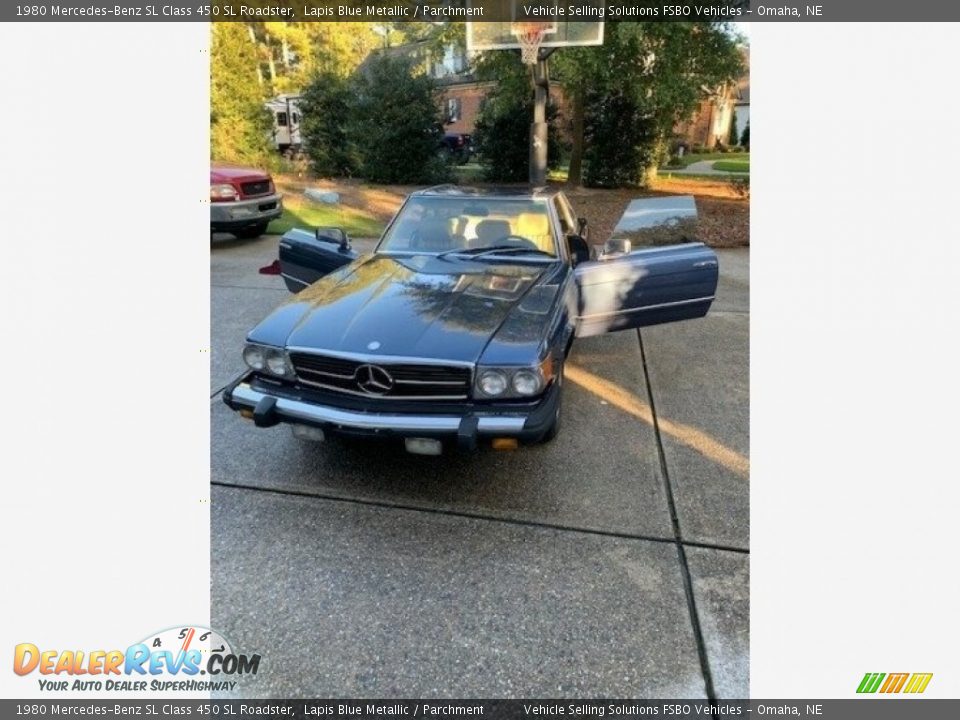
<point>475,225</point>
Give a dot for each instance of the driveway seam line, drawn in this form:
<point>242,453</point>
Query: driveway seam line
<point>678,537</point>
<point>474,516</point>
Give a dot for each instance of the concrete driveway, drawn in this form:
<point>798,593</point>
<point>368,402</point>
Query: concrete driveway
<point>611,562</point>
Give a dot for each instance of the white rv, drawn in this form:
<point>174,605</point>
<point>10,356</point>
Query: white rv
<point>286,123</point>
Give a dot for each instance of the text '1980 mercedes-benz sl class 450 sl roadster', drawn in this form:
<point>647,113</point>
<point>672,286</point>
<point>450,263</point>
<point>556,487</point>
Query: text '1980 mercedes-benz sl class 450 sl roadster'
<point>455,329</point>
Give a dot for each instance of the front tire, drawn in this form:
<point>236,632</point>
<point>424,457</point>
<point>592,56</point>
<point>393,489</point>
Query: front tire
<point>251,231</point>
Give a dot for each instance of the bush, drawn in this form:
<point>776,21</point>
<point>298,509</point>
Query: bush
<point>745,136</point>
<point>621,143</point>
<point>738,149</point>
<point>395,124</point>
<point>326,107</point>
<point>502,131</point>
<point>733,137</point>
<point>502,138</point>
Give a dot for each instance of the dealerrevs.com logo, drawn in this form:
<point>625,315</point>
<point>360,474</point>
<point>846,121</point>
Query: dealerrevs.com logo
<point>190,658</point>
<point>910,683</point>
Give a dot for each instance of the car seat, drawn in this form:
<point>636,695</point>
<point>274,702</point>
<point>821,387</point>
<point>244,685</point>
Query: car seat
<point>536,228</point>
<point>433,235</point>
<point>492,232</point>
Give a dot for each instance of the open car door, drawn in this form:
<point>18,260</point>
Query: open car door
<point>649,272</point>
<point>306,256</point>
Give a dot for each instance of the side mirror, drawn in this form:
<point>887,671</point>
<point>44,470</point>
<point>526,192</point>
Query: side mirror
<point>334,235</point>
<point>579,250</point>
<point>614,247</point>
<point>582,228</point>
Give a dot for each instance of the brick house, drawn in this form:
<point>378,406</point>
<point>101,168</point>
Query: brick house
<point>709,126</point>
<point>461,96</point>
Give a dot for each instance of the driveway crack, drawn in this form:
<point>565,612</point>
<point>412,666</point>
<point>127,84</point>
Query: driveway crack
<point>678,536</point>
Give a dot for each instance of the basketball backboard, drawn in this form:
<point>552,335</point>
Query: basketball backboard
<point>503,32</point>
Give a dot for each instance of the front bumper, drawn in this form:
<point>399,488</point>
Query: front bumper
<point>243,213</point>
<point>271,406</point>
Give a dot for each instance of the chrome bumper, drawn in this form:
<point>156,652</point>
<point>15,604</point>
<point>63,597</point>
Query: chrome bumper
<point>294,410</point>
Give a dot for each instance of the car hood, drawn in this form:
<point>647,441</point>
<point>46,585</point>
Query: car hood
<point>230,173</point>
<point>422,306</point>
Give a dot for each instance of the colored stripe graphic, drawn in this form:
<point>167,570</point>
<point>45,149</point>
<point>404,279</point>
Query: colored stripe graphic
<point>894,682</point>
<point>870,682</point>
<point>918,682</point>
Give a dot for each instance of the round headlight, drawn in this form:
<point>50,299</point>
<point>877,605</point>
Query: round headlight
<point>526,382</point>
<point>253,356</point>
<point>493,382</point>
<point>277,363</point>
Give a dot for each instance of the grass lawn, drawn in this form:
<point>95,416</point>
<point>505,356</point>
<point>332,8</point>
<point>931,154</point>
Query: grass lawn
<point>691,158</point>
<point>729,165</point>
<point>473,173</point>
<point>301,212</point>
<point>665,174</point>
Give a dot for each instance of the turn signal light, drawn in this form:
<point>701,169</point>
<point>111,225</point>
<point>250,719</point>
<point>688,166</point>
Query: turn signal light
<point>505,444</point>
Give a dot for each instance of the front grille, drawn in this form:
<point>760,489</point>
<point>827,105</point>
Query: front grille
<point>258,187</point>
<point>387,380</point>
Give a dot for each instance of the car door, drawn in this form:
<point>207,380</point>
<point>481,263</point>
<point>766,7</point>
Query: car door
<point>649,272</point>
<point>305,256</point>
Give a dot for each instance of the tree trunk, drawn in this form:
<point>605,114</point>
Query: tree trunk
<point>650,173</point>
<point>575,175</point>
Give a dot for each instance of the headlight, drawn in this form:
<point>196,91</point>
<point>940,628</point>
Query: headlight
<point>527,382</point>
<point>514,382</point>
<point>278,364</point>
<point>493,383</point>
<point>274,361</point>
<point>223,192</point>
<point>255,357</point>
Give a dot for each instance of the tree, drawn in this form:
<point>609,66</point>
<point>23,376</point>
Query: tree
<point>502,132</point>
<point>655,72</point>
<point>290,54</point>
<point>326,107</point>
<point>395,123</point>
<point>745,137</point>
<point>239,122</point>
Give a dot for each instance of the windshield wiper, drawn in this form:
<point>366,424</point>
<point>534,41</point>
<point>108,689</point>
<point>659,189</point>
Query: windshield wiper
<point>478,251</point>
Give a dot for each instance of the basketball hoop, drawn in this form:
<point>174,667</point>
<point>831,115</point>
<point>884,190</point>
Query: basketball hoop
<point>529,35</point>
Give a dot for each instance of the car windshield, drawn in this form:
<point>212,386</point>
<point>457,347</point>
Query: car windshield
<point>448,225</point>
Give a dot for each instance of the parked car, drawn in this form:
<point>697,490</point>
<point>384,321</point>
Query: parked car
<point>459,147</point>
<point>455,329</point>
<point>243,201</point>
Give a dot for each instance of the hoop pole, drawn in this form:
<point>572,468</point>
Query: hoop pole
<point>538,128</point>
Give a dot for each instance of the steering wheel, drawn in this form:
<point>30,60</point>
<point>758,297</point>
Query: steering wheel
<point>517,240</point>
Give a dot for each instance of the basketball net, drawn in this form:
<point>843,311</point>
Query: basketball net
<point>529,35</point>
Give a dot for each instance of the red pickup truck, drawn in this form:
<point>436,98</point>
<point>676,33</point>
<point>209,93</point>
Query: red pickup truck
<point>243,201</point>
